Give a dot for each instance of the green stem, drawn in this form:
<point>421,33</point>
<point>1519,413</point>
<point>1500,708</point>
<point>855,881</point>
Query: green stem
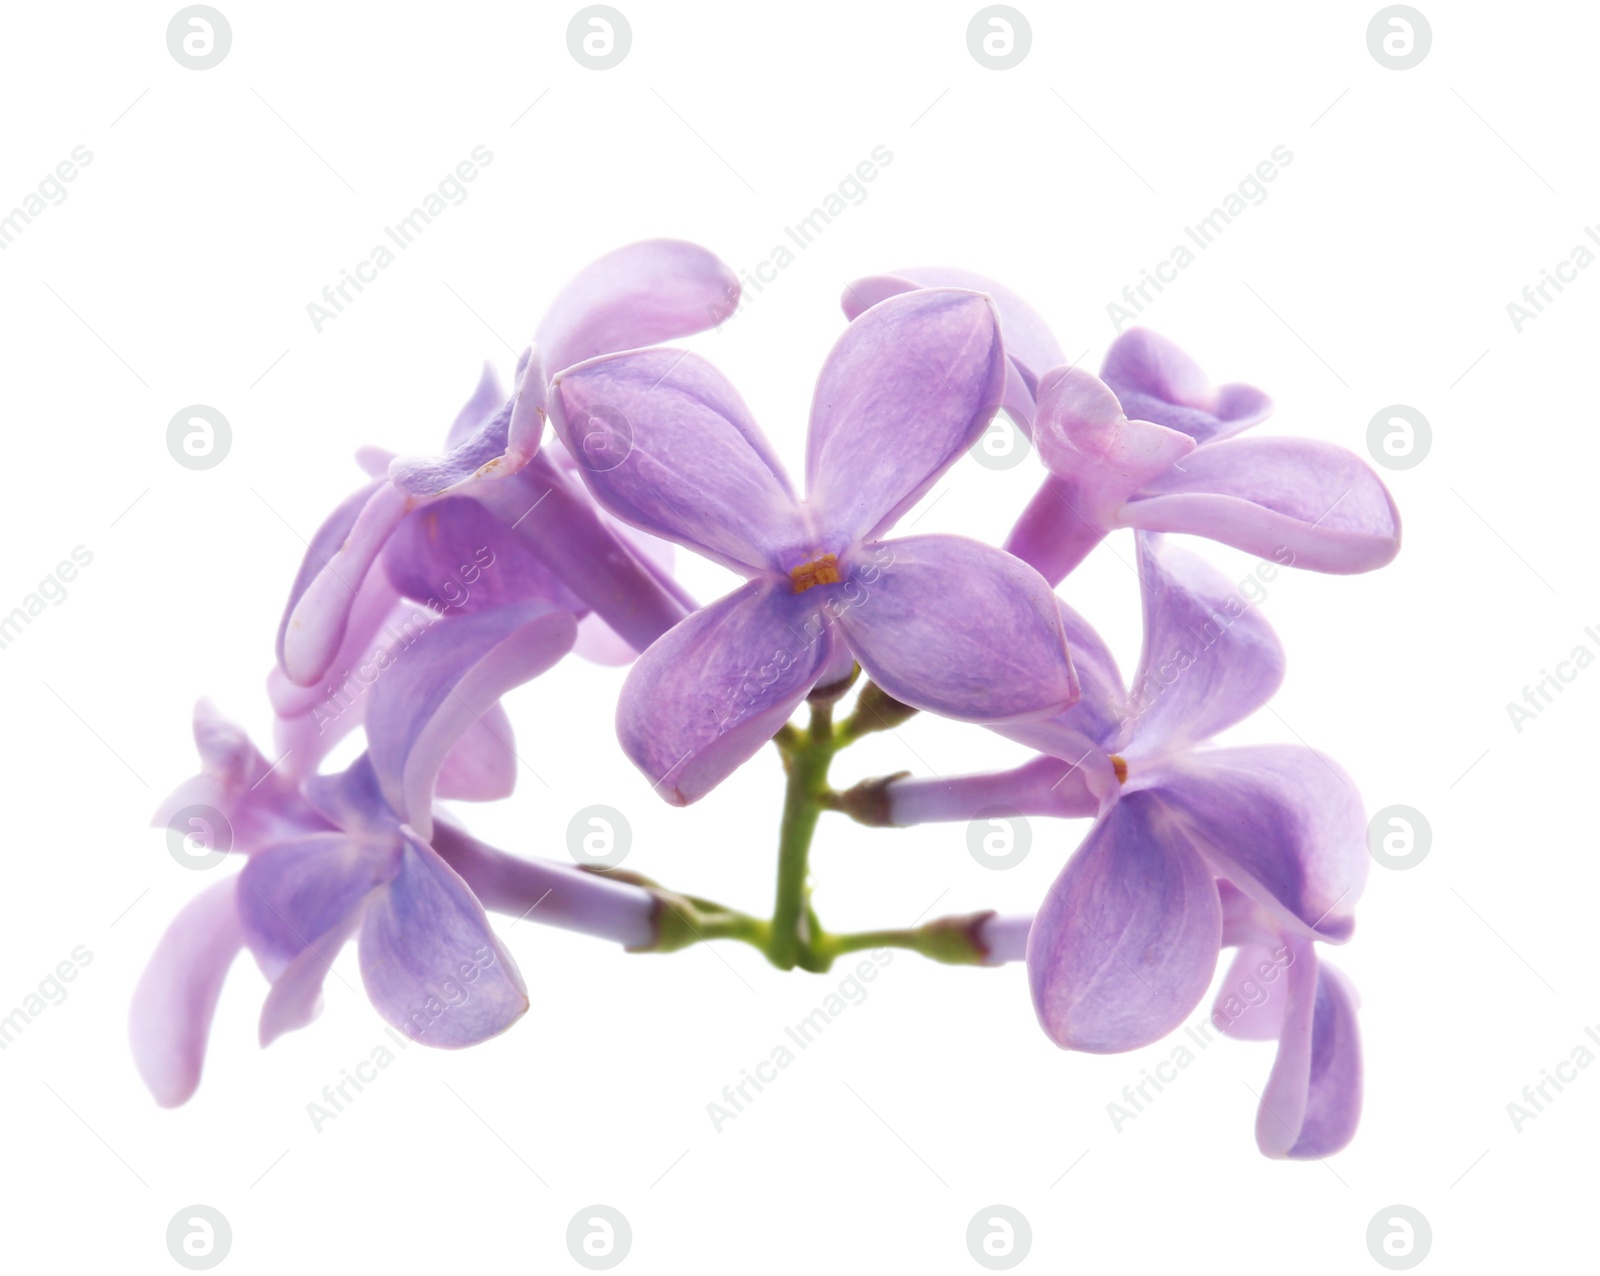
<point>953,940</point>
<point>807,756</point>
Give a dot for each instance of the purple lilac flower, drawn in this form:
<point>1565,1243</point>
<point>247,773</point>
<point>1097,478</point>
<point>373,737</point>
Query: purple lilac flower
<point>939,622</point>
<point>1312,1102</point>
<point>1149,444</point>
<point>648,292</point>
<point>359,855</point>
<point>1126,943</point>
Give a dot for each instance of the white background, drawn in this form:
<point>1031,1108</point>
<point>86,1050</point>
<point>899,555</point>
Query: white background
<point>178,271</point>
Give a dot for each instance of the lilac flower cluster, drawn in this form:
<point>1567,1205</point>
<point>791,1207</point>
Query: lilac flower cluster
<point>449,580</point>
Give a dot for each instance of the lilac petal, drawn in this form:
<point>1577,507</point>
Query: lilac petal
<point>1097,459</point>
<point>335,530</point>
<point>485,401</point>
<point>1084,436</point>
<point>259,801</point>
<point>666,444</point>
<point>1249,1006</point>
<point>1029,343</point>
<point>1300,501</point>
<point>477,456</point>
<point>1285,825</point>
<point>292,894</point>
<point>1156,381</point>
<point>310,721</point>
<point>315,625</point>
<point>374,461</point>
<point>558,522</point>
<point>295,998</point>
<point>1210,659</point>
<point>711,692</point>
<point>500,446</point>
<point>640,295</point>
<point>431,965</point>
<point>1096,720</point>
<point>443,683</point>
<point>353,801</point>
<point>482,765</point>
<point>1283,1103</point>
<point>1126,942</point>
<point>176,997</point>
<point>957,628</point>
<point>550,894</point>
<point>1333,1101</point>
<point>909,387</point>
<point>1045,786</point>
<point>454,556</point>
<point>1312,1103</point>
<point>600,644</point>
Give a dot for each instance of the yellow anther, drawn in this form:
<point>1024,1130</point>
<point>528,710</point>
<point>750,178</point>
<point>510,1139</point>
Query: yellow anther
<point>819,571</point>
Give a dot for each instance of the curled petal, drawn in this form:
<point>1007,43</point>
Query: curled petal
<point>1210,659</point>
<point>1156,381</point>
<point>446,680</point>
<point>1084,435</point>
<point>431,964</point>
<point>1332,1109</point>
<point>477,456</point>
<point>482,764</point>
<point>640,295</point>
<point>310,721</point>
<point>335,530</point>
<point>1253,1001</point>
<point>1126,942</point>
<point>1285,825</point>
<point>176,997</point>
<point>1097,459</point>
<point>314,627</point>
<point>957,628</point>
<point>1302,502</point>
<point>666,444</point>
<point>486,399</point>
<point>907,390</point>
<point>707,695</point>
